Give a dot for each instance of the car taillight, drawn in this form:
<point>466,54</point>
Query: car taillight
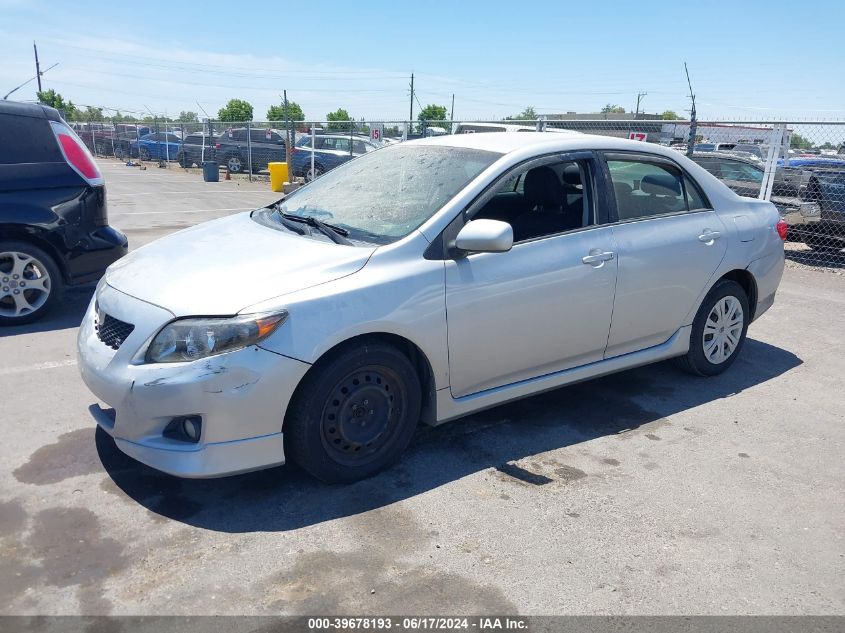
<point>217,146</point>
<point>76,154</point>
<point>294,150</point>
<point>782,228</point>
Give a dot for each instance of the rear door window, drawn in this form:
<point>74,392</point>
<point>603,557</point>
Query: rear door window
<point>644,189</point>
<point>26,139</point>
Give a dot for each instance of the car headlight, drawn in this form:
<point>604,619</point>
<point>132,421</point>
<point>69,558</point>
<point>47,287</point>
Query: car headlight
<point>193,338</point>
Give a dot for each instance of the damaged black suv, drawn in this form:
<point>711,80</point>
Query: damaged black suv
<point>54,226</point>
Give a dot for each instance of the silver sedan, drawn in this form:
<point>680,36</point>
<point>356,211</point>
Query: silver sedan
<point>421,282</point>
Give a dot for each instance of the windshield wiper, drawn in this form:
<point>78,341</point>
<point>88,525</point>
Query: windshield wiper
<point>335,233</point>
<point>291,226</point>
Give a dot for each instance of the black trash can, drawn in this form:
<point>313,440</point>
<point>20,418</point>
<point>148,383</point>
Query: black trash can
<point>210,171</point>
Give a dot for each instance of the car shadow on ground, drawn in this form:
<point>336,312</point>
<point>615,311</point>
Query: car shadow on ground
<point>286,498</point>
<point>827,259</point>
<point>67,314</point>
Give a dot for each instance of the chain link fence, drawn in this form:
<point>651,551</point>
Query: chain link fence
<point>798,165</point>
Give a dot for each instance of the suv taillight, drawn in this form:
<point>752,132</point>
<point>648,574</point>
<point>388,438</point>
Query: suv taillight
<point>76,154</point>
<point>782,228</point>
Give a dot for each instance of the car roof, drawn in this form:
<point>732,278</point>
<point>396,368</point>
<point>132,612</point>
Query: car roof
<point>507,142</point>
<point>35,110</point>
<point>728,156</point>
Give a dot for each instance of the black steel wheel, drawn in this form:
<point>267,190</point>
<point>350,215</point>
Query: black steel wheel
<point>354,413</point>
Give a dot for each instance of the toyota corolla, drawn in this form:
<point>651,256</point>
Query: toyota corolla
<point>420,282</point>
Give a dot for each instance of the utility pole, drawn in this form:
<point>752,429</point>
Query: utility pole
<point>692,123</point>
<point>287,132</point>
<point>640,95</point>
<point>37,67</point>
<point>411,117</point>
<point>452,111</point>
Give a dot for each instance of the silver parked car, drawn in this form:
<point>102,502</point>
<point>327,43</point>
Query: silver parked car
<point>423,281</point>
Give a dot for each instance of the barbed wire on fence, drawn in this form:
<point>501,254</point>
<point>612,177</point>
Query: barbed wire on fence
<point>798,165</point>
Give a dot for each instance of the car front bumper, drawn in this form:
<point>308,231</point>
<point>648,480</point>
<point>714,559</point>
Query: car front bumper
<point>241,396</point>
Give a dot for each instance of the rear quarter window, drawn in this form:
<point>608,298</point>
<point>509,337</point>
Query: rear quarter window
<point>27,140</point>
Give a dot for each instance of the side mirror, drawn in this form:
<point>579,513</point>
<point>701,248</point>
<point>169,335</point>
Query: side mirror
<point>485,236</point>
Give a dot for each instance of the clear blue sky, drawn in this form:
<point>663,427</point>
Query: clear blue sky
<point>751,59</point>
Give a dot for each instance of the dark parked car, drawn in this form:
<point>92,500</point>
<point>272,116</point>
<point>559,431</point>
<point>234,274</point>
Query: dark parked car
<point>745,177</point>
<point>196,148</point>
<point>234,145</point>
<point>54,226</point>
<point>330,150</point>
<point>105,139</point>
<point>824,183</point>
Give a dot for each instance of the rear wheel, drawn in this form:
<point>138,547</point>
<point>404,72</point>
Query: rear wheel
<point>718,330</point>
<point>30,282</point>
<point>235,164</point>
<point>354,413</point>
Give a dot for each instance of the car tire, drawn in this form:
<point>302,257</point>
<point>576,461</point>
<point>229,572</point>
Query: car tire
<point>120,152</point>
<point>318,171</point>
<point>718,330</point>
<point>354,413</point>
<point>27,275</point>
<point>234,164</point>
<point>144,154</point>
<point>184,162</point>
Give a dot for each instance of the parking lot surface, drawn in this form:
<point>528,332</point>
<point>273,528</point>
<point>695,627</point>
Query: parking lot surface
<point>647,492</point>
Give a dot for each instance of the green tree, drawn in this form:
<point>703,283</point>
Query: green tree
<point>529,114</point>
<point>613,109</point>
<point>670,115</point>
<point>432,113</point>
<point>338,120</point>
<point>55,100</point>
<point>800,142</point>
<point>92,114</point>
<point>277,112</point>
<point>235,110</point>
<point>187,117</point>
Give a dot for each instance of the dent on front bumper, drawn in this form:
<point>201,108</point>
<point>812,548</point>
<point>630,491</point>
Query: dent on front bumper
<point>242,396</point>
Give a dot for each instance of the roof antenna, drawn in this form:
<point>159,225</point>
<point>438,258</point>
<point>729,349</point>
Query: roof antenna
<point>692,124</point>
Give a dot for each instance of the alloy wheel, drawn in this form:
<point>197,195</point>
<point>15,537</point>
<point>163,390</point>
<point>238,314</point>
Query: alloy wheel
<point>234,164</point>
<point>24,284</point>
<point>723,330</point>
<point>312,174</point>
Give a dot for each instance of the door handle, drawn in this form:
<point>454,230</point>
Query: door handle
<point>708,237</point>
<point>597,256</point>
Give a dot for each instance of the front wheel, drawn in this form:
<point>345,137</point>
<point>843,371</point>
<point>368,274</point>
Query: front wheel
<point>313,174</point>
<point>354,413</point>
<point>718,330</point>
<point>144,154</point>
<point>30,283</point>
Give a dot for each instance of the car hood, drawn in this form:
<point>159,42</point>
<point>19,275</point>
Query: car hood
<point>223,266</point>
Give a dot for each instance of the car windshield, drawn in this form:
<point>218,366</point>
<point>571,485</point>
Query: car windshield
<point>384,195</point>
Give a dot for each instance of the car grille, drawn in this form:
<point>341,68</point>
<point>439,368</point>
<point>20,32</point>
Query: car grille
<point>112,331</point>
